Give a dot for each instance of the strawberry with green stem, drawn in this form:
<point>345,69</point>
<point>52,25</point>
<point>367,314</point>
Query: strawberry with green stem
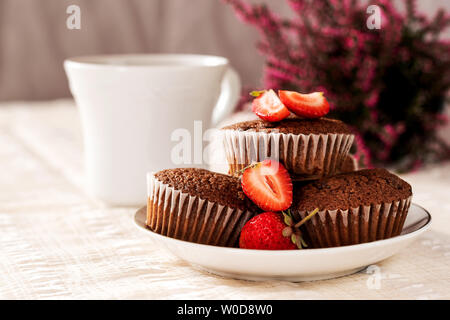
<point>293,229</point>
<point>273,231</point>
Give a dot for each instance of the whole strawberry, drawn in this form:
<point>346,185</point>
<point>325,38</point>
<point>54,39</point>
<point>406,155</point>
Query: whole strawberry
<point>273,231</point>
<point>265,232</point>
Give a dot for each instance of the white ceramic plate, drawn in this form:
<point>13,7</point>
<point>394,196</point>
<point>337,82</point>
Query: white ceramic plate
<point>291,265</point>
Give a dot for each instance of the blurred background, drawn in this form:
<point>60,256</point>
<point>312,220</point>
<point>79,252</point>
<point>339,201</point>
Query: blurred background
<point>34,41</point>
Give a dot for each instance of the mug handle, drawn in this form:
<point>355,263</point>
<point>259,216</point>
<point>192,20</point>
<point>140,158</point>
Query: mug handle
<point>229,96</point>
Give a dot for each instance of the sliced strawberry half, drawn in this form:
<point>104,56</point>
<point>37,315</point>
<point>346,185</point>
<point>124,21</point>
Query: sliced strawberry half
<point>269,107</point>
<point>310,105</point>
<point>268,185</point>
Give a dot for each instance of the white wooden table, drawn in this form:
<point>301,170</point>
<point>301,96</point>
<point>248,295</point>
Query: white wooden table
<point>57,243</point>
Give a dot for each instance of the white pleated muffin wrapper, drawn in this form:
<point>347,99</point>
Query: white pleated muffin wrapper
<point>180,215</point>
<point>333,228</point>
<point>305,156</point>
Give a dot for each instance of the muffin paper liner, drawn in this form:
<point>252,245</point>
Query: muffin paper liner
<point>306,157</point>
<point>333,228</point>
<point>180,215</point>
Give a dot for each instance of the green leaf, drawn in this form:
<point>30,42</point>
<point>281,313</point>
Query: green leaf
<point>288,220</point>
<point>286,232</point>
<point>294,239</point>
<point>304,245</point>
<point>297,240</point>
<point>288,212</point>
<point>257,93</point>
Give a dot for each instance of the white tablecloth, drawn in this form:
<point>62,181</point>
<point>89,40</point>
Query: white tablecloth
<point>57,242</point>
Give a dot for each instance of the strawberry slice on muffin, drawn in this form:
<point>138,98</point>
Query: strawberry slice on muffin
<point>310,105</point>
<point>268,106</point>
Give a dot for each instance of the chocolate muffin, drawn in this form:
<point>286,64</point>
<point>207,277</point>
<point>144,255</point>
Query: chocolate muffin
<point>355,207</point>
<point>197,205</point>
<point>308,148</point>
<point>348,165</point>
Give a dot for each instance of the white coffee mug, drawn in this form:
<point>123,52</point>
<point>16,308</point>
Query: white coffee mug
<point>131,104</point>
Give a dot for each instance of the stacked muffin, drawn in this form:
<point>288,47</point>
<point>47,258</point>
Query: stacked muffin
<point>290,163</point>
<point>308,148</point>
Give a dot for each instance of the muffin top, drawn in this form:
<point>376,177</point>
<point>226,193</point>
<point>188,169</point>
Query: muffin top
<point>215,187</point>
<point>350,190</point>
<point>293,125</point>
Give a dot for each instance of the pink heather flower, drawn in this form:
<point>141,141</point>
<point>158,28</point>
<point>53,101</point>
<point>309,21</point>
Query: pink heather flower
<point>288,67</point>
<point>421,18</point>
<point>349,43</point>
<point>366,74</point>
<point>297,5</point>
<point>442,118</point>
<point>389,13</point>
<point>391,133</point>
<point>427,66</point>
<point>276,73</point>
<point>243,11</point>
<point>372,100</point>
<point>362,154</point>
<point>403,53</point>
<point>374,115</point>
<point>400,128</point>
<point>331,32</point>
<point>389,129</point>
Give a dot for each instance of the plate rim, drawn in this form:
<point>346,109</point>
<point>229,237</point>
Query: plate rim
<point>412,234</point>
